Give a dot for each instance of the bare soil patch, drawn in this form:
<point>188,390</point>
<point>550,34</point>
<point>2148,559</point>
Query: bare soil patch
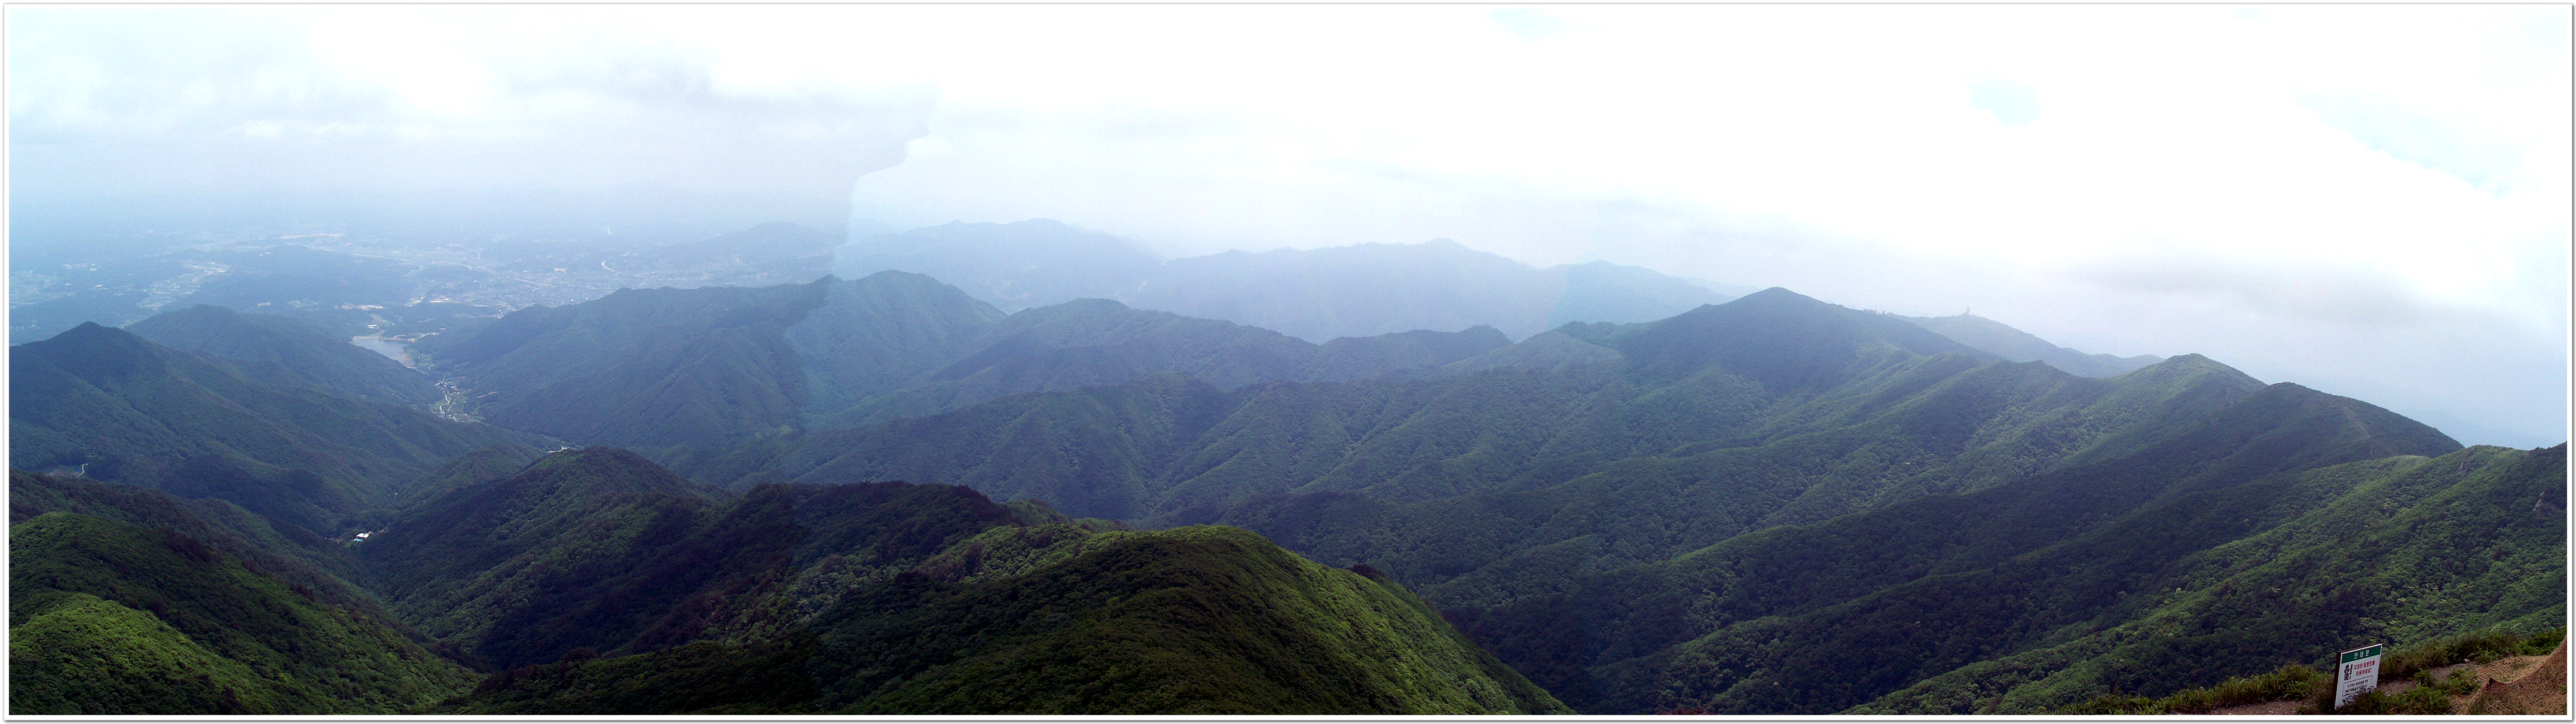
<point>2520,685</point>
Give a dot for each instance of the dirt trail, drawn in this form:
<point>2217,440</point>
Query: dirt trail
<point>2517,685</point>
<point>2521,685</point>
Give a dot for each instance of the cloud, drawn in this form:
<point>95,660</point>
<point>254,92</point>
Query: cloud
<point>2182,190</point>
<point>2355,297</point>
<point>106,102</point>
<point>2121,178</point>
<point>2012,104</point>
<point>2410,135</point>
<point>1529,23</point>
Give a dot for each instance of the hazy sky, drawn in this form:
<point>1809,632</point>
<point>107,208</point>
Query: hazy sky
<point>2371,200</point>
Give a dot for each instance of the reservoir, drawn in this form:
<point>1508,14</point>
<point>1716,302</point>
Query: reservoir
<point>392,348</point>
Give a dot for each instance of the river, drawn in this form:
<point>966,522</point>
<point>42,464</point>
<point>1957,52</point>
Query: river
<point>397,350</point>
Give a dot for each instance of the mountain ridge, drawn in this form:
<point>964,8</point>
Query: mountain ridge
<point>874,597</point>
<point>1313,294</point>
<point>281,348</point>
<point>136,411</point>
<point>2003,341</point>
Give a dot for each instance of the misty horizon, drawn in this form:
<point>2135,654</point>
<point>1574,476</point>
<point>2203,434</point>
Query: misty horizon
<point>1288,360</point>
<point>2371,226</point>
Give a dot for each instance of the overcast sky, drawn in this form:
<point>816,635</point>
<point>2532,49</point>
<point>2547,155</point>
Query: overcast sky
<point>2372,201</point>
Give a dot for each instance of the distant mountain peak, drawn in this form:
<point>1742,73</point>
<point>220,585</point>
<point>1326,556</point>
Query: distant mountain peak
<point>1012,266</point>
<point>2019,346</point>
<point>85,328</point>
<point>1094,304</point>
<point>283,350</point>
<point>1315,294</point>
<point>1777,337</point>
<point>95,346</point>
<point>206,310</point>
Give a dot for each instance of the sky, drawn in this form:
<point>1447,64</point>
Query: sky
<point>2368,200</point>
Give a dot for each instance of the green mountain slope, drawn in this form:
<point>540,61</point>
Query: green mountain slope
<point>1060,619</point>
<point>1780,339</point>
<point>1534,503</point>
<point>881,333</point>
<point>1822,617</point>
<point>1714,395</point>
<point>773,601</point>
<point>1202,621</point>
<point>1097,342</point>
<point>499,569</point>
<point>323,568</point>
<point>134,411</point>
<point>690,374</point>
<point>108,618</point>
<point>285,352</point>
<point>1086,343</point>
<point>601,549</point>
<point>480,466</point>
<point>2397,549</point>
<point>641,367</point>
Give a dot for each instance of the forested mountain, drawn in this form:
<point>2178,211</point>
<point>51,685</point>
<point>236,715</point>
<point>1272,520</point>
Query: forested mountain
<point>889,597</point>
<point>480,466</point>
<point>126,409</point>
<point>1095,342</point>
<point>1531,503</point>
<point>506,570</point>
<point>1315,294</point>
<point>1911,578</point>
<point>704,370</point>
<point>1776,383</point>
<point>110,618</point>
<point>1366,289</point>
<point>641,367</point>
<point>1770,505</point>
<point>2019,346</point>
<point>2396,549</point>
<point>319,567</point>
<point>281,351</point>
<point>1349,291</point>
<point>881,333</point>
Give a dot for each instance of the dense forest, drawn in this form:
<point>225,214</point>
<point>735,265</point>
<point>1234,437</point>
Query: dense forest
<point>885,495</point>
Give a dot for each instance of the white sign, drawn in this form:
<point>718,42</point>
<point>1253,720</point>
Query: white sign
<point>2356,671</point>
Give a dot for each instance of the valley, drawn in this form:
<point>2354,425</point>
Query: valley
<point>1118,361</point>
<point>891,494</point>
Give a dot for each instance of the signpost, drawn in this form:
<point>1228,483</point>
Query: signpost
<point>2356,671</point>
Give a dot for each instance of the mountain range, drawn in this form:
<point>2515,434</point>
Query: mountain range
<point>118,407</point>
<point>1348,291</point>
<point>717,367</point>
<point>278,350</point>
<point>885,495</point>
<point>1316,295</point>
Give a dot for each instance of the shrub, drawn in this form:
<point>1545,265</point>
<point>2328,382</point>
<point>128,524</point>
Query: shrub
<point>2418,701</point>
<point>2480,647</point>
<point>2291,681</point>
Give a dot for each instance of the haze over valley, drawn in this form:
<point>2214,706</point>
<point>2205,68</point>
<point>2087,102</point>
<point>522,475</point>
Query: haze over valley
<point>1751,360</point>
